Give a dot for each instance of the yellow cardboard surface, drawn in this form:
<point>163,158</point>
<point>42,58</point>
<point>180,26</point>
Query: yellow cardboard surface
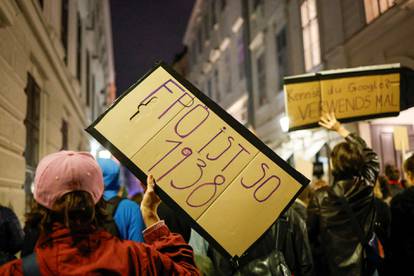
<point>303,102</point>
<point>401,138</point>
<point>347,96</point>
<point>247,208</point>
<point>198,160</point>
<point>129,130</point>
<point>187,167</point>
<point>360,96</point>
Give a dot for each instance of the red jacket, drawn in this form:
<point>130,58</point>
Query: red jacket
<point>163,253</point>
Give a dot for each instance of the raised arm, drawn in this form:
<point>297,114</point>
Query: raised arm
<point>168,253</point>
<point>370,170</point>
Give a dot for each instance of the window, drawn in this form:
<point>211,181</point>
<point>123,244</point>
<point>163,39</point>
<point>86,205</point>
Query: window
<point>217,85</point>
<point>310,32</point>
<point>227,61</point>
<point>32,124</point>
<point>281,54</point>
<point>92,96</point>
<point>88,71</point>
<point>213,13</point>
<point>209,92</point>
<point>193,54</point>
<point>64,27</point>
<point>374,8</point>
<point>240,54</point>
<point>200,40</point>
<point>79,48</point>
<point>257,3</point>
<point>223,4</point>
<point>206,27</point>
<point>90,25</point>
<point>64,129</point>
<point>261,77</point>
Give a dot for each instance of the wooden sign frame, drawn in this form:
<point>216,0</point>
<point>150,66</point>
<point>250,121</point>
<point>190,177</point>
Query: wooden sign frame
<point>228,119</point>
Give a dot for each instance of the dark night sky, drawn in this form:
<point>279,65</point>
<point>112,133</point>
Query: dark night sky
<point>144,32</point>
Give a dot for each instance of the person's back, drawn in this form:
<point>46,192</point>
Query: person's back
<point>402,224</point>
<point>336,244</point>
<point>176,223</point>
<point>11,235</point>
<point>126,213</point>
<point>393,176</point>
<point>68,193</point>
<point>283,250</point>
<point>105,254</point>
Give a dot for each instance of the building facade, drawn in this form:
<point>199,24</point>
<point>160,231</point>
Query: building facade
<point>56,70</point>
<point>216,54</point>
<point>239,52</point>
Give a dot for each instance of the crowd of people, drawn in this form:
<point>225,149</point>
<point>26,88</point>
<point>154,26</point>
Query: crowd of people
<point>83,223</point>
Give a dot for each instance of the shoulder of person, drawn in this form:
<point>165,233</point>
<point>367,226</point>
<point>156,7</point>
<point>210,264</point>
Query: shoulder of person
<point>7,214</point>
<point>321,192</point>
<point>127,203</point>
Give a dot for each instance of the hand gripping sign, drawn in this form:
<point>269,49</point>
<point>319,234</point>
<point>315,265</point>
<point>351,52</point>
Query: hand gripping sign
<point>207,166</point>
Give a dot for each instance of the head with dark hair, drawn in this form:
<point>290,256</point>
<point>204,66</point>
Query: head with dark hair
<point>392,172</point>
<point>75,211</point>
<point>385,188</point>
<point>347,160</point>
<point>409,169</point>
<point>68,190</point>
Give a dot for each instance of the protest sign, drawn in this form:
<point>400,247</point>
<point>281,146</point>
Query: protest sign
<point>401,140</point>
<point>353,94</point>
<point>207,166</point>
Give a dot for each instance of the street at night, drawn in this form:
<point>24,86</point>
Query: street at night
<point>207,137</point>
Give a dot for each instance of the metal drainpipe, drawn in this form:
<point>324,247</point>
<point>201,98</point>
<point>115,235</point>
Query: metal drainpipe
<point>248,63</point>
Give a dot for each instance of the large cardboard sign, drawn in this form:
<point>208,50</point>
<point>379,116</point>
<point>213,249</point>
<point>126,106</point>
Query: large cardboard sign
<point>353,94</point>
<point>207,166</point>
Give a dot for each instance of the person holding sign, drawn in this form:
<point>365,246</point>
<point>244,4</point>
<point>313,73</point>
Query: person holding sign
<point>283,250</point>
<point>68,194</point>
<point>341,216</point>
<point>402,225</point>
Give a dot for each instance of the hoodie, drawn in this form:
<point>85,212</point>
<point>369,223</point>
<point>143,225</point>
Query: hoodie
<point>128,217</point>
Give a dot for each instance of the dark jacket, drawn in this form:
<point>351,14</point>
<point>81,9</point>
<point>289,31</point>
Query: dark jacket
<point>335,243</point>
<point>11,235</point>
<point>174,222</point>
<point>402,231</point>
<point>383,223</point>
<point>283,250</point>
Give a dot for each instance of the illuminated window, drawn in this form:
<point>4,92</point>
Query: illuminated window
<point>374,8</point>
<point>310,32</point>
